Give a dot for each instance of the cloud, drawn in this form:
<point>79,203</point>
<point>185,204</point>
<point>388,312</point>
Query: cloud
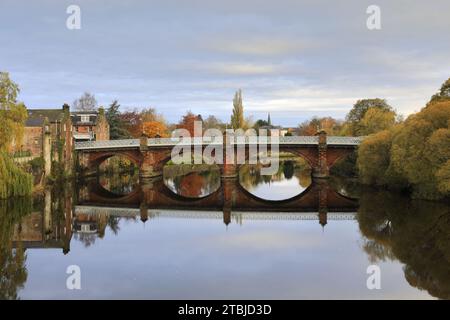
<point>259,47</point>
<point>292,58</point>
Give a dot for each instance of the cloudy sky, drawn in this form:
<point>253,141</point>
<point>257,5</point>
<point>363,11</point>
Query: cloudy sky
<point>292,58</point>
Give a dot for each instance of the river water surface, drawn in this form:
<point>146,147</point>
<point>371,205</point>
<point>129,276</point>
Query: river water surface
<point>192,236</point>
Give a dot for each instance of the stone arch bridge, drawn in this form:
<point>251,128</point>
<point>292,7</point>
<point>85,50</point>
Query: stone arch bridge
<point>151,154</point>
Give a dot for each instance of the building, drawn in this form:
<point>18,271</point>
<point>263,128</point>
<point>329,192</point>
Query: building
<point>51,133</point>
<point>90,125</point>
<point>48,134</point>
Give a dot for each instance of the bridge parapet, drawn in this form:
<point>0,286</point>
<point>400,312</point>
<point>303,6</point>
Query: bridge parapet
<point>235,140</point>
<point>107,144</point>
<point>342,141</point>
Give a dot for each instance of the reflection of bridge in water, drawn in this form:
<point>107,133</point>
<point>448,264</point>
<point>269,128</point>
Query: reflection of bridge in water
<point>54,225</point>
<point>231,202</point>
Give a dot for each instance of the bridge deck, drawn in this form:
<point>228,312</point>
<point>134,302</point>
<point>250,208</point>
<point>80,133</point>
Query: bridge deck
<point>171,142</point>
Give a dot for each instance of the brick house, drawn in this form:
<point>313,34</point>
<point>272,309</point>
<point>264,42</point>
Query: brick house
<point>48,134</point>
<point>90,125</point>
<point>51,133</point>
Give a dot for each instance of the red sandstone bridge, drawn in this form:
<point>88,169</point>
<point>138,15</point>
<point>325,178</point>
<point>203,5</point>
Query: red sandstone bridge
<point>151,154</point>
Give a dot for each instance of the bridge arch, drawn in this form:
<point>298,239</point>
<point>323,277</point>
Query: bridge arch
<point>95,159</point>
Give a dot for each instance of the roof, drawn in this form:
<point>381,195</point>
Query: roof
<point>93,112</point>
<point>36,116</point>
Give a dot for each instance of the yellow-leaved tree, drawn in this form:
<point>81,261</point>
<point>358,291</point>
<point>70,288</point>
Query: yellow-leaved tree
<point>13,180</point>
<point>154,129</point>
<point>413,155</point>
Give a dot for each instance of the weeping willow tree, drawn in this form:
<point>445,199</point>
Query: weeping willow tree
<point>13,180</point>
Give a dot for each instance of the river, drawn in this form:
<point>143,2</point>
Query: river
<point>190,235</point>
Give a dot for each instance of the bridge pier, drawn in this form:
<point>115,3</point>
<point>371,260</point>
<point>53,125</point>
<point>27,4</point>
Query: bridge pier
<point>321,170</point>
<point>228,171</point>
<point>149,189</point>
<point>323,202</point>
<point>152,160</point>
<point>228,184</point>
<point>151,166</point>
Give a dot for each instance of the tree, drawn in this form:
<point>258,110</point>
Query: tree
<point>12,113</point>
<point>132,122</point>
<point>443,177</point>
<point>13,180</point>
<point>213,123</point>
<point>237,118</point>
<point>374,158</point>
<point>444,93</point>
<point>150,114</point>
<point>86,102</point>
<point>154,129</point>
<point>260,123</point>
<point>359,110</point>
<point>412,155</point>
<point>117,128</point>
<point>311,127</point>
<point>376,120</point>
<point>13,271</point>
<point>188,123</point>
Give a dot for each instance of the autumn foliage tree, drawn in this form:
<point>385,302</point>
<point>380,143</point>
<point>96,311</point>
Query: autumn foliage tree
<point>443,94</point>
<point>13,180</point>
<point>188,123</point>
<point>376,120</point>
<point>134,121</point>
<point>354,125</point>
<point>154,129</point>
<point>311,127</point>
<point>414,154</point>
<point>12,113</point>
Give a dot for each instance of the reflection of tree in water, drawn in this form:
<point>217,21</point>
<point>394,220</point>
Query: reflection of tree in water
<point>119,183</point>
<point>100,221</point>
<point>193,181</point>
<point>250,175</point>
<point>113,224</point>
<point>288,169</point>
<point>417,233</point>
<point>13,273</point>
<point>87,239</point>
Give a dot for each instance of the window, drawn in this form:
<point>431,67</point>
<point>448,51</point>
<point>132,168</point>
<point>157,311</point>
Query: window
<point>84,118</point>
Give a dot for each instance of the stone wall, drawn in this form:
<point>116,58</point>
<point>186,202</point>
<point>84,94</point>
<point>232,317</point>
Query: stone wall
<point>32,140</point>
<point>102,127</point>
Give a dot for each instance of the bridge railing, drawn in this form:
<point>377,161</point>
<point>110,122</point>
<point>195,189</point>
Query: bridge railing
<point>105,144</point>
<point>234,140</point>
<point>337,140</point>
